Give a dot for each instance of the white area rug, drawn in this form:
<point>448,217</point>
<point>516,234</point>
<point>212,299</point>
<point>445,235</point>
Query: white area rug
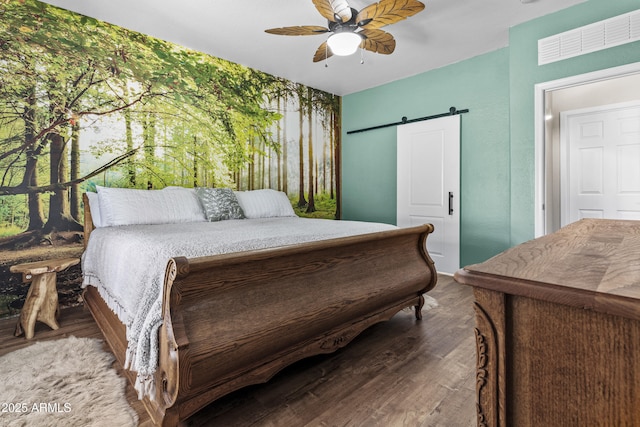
<point>66,382</point>
<point>429,303</point>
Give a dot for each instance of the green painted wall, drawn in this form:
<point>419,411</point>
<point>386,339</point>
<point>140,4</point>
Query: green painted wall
<point>369,158</point>
<point>497,139</point>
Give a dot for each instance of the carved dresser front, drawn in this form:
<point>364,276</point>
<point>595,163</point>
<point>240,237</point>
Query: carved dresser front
<point>558,328</point>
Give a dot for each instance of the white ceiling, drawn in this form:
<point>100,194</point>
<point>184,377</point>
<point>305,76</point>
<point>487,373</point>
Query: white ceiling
<point>447,31</point>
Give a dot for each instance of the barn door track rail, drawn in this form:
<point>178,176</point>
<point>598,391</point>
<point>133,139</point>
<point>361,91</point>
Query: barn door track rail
<point>452,112</point>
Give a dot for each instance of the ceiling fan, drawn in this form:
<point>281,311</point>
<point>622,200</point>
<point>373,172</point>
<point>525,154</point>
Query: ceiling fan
<point>352,29</point>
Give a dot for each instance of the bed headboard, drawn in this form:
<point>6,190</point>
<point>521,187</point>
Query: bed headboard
<point>88,220</point>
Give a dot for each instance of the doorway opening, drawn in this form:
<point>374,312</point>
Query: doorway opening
<point>610,86</point>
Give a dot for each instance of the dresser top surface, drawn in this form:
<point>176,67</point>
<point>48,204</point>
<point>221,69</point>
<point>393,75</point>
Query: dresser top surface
<point>593,255</point>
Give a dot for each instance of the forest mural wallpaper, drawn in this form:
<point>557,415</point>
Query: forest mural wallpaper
<point>86,103</point>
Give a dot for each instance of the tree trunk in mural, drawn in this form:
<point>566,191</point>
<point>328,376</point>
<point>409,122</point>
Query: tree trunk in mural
<point>36,211</point>
<point>75,172</point>
<point>337,130</point>
<point>59,217</point>
<point>252,166</point>
<point>149,141</point>
<point>325,147</point>
<point>30,179</point>
<point>332,150</point>
<point>56,168</point>
<point>280,146</point>
<point>131,168</point>
<point>269,167</point>
<point>285,149</point>
<point>195,162</point>
<point>311,206</point>
<point>263,165</point>
<point>301,200</point>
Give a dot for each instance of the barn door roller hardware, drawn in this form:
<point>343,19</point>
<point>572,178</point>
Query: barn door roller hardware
<point>452,112</point>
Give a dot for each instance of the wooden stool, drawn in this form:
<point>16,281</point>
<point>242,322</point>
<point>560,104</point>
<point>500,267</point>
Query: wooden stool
<point>42,299</point>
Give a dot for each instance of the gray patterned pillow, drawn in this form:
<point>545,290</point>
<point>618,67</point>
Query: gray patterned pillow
<point>219,203</point>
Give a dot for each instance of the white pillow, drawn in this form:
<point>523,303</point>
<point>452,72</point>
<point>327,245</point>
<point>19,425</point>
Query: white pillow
<point>264,203</point>
<point>125,206</point>
<point>94,207</point>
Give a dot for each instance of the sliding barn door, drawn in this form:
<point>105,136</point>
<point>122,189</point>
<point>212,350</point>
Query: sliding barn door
<point>429,185</point>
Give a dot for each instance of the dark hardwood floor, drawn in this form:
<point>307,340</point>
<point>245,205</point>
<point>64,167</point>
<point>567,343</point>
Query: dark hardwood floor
<point>398,373</point>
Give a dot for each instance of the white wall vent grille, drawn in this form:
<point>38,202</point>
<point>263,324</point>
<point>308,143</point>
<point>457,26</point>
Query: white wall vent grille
<point>590,38</point>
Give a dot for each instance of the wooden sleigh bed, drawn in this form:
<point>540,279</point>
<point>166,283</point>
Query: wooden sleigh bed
<point>232,320</point>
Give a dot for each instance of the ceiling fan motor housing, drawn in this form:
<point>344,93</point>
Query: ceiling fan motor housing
<point>338,26</point>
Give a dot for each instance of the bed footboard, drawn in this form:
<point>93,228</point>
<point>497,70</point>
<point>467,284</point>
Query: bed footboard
<point>237,319</point>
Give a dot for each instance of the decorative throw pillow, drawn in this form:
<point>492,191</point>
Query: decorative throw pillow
<point>219,203</point>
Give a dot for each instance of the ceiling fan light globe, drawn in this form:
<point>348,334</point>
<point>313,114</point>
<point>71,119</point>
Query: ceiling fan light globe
<point>344,44</point>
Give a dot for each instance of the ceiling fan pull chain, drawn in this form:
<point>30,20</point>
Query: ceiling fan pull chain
<point>326,54</point>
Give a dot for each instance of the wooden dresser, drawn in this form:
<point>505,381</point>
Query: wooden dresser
<point>558,328</point>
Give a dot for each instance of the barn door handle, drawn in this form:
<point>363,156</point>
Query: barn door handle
<point>450,202</point>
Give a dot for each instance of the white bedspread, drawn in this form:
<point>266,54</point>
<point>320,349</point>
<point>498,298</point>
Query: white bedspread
<point>127,265</point>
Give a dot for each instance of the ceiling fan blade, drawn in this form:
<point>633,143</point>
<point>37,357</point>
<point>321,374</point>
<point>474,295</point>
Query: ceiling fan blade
<point>334,10</point>
<point>322,53</point>
<point>387,12</point>
<point>377,41</point>
<point>304,30</point>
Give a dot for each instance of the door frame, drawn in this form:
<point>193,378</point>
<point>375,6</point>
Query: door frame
<point>540,196</point>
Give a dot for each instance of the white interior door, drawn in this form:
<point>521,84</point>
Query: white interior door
<point>429,185</point>
<point>600,149</point>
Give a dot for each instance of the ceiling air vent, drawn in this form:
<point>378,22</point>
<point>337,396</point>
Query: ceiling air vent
<point>590,38</point>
